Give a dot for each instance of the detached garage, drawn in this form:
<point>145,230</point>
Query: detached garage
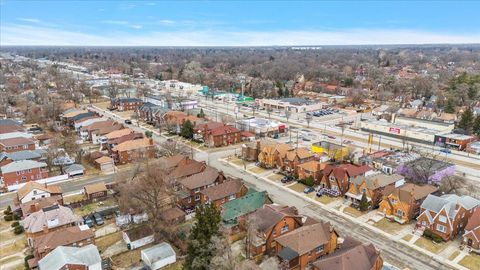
<point>74,170</point>
<point>105,164</point>
<point>138,236</point>
<point>158,256</point>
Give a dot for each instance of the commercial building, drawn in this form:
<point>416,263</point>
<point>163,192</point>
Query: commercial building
<point>428,124</point>
<point>452,140</point>
<point>262,127</point>
<point>296,105</point>
<point>401,131</point>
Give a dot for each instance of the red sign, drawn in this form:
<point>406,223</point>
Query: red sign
<point>394,130</point>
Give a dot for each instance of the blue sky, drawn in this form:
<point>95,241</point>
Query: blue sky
<point>237,23</point>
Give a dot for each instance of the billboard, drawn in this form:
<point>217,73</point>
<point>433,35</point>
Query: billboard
<point>394,130</point>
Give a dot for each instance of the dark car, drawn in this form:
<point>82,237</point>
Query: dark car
<point>128,121</point>
<point>88,221</point>
<point>286,179</point>
<point>331,137</point>
<point>308,190</point>
<point>98,219</point>
<point>446,151</point>
<point>306,139</point>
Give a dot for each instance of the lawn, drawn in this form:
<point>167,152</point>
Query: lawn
<point>4,224</point>
<point>13,248</point>
<point>275,177</point>
<point>298,187</point>
<point>352,211</point>
<point>73,198</point>
<point>176,266</point>
<point>105,241</point>
<point>430,245</point>
<point>407,237</point>
<point>454,255</point>
<point>388,226</point>
<point>7,235</point>
<point>11,259</point>
<point>238,161</point>
<point>256,170</point>
<point>126,259</point>
<point>92,207</point>
<point>325,199</point>
<point>471,261</point>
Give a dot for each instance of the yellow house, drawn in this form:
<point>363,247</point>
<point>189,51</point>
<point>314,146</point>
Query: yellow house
<point>333,150</point>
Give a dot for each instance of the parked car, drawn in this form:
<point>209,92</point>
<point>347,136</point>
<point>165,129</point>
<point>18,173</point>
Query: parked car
<point>88,221</point>
<point>320,193</point>
<point>331,137</point>
<point>306,139</point>
<point>308,190</point>
<point>286,179</point>
<point>98,219</point>
<point>128,121</point>
<point>446,150</point>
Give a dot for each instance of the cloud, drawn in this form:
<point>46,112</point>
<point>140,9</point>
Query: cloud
<point>166,22</point>
<point>35,35</point>
<point>125,23</point>
<point>29,20</point>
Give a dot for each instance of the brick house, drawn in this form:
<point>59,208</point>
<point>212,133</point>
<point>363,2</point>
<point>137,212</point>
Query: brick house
<point>175,119</point>
<point>351,254</point>
<point>16,144</point>
<point>271,222</point>
<point>298,249</point>
<point>132,150</point>
<point>293,158</point>
<point>250,151</point>
<point>336,178</point>
<point>95,191</point>
<point>36,205</point>
<point>221,136</point>
<point>447,215</point>
<point>372,186</point>
<point>185,167</point>
<point>23,171</point>
<point>126,104</point>
<point>229,190</point>
<point>271,153</point>
<point>189,196</point>
<point>111,143</point>
<point>402,204</point>
<point>471,237</point>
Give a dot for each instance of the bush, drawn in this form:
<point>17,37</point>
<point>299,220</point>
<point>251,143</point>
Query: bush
<point>16,217</point>
<point>28,257</point>
<point>15,224</point>
<point>432,236</point>
<point>8,217</point>
<point>18,230</point>
<point>309,181</point>
<point>8,211</point>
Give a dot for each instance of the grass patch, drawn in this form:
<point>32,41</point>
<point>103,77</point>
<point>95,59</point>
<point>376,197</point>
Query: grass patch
<point>454,255</point>
<point>8,235</point>
<point>388,226</point>
<point>73,198</point>
<point>13,248</point>
<point>471,261</point>
<point>92,207</point>
<point>106,241</point>
<point>238,162</point>
<point>430,245</point>
<point>325,199</point>
<point>126,259</point>
<point>275,177</point>
<point>12,259</point>
<point>407,237</point>
<point>257,170</point>
<point>352,211</point>
<point>298,187</point>
<point>4,224</point>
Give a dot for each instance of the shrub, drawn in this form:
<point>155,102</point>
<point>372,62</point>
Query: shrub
<point>8,211</point>
<point>364,203</point>
<point>18,230</point>
<point>309,181</point>
<point>8,217</point>
<point>15,224</point>
<point>432,236</point>
<point>16,217</point>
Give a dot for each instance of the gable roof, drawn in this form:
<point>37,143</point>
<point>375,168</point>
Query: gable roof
<point>339,171</point>
<point>222,130</point>
<point>158,252</point>
<point>204,178</point>
<point>39,204</point>
<point>302,153</point>
<point>223,190</point>
<point>269,215</point>
<point>474,221</point>
<point>139,232</point>
<point>190,168</point>
<point>97,187</point>
<point>312,166</point>
<point>306,238</point>
<point>104,159</point>
<point>51,217</point>
<point>448,202</point>
<point>118,133</point>
<point>410,191</point>
<point>62,255</point>
<point>21,165</point>
<point>29,186</point>
<point>167,163</point>
<point>377,180</point>
<point>26,154</point>
<point>16,141</point>
<point>62,237</point>
<point>73,168</point>
<point>243,205</point>
<point>133,145</point>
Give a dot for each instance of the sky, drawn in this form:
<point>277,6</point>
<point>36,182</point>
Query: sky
<point>237,23</point>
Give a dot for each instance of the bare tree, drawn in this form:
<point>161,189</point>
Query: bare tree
<point>172,148</point>
<point>224,258</point>
<point>271,263</point>
<point>453,184</point>
<point>269,111</point>
<point>112,90</point>
<point>288,113</point>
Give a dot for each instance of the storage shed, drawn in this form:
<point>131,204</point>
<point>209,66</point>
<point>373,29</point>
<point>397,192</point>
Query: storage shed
<point>158,256</point>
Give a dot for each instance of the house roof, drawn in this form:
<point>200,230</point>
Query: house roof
<point>339,171</point>
<point>287,254</point>
<point>302,153</point>
<point>352,254</point>
<point>435,165</point>
<point>16,141</point>
<point>51,217</point>
<point>29,186</point>
<point>158,252</point>
<point>62,237</point>
<point>167,163</point>
<point>448,202</point>
<point>62,255</point>
<point>409,190</point>
<point>103,159</point>
<point>191,167</point>
<point>306,238</point>
<point>73,168</point>
<point>172,213</point>
<point>11,128</point>
<point>97,125</point>
<point>474,221</point>
<point>223,190</point>
<point>118,133</point>
<point>74,113</point>
<point>94,188</point>
<point>5,122</point>
<point>139,232</point>
<point>377,180</point>
<point>208,125</point>
<point>124,138</point>
<point>270,214</point>
<point>222,130</point>
<point>39,204</point>
<point>200,179</point>
<point>26,154</point>
<point>312,166</point>
<point>21,165</point>
<point>243,205</point>
<point>133,145</point>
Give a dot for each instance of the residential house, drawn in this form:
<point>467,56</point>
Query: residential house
<point>23,171</point>
<point>312,169</point>
<point>351,254</point>
<point>73,258</point>
<point>189,196</point>
<point>271,153</point>
<point>221,136</point>
<point>16,144</point>
<point>172,162</point>
<point>336,178</point>
<point>250,151</point>
<point>151,113</point>
<point>97,134</point>
<point>74,170</point>
<point>49,219</point>
<point>447,215</point>
<point>234,212</point>
<point>175,119</point>
<point>293,158</point>
<point>471,237</point>
<point>173,216</point>
<point>114,135</point>
<point>126,104</point>
<point>95,191</point>
<point>185,168</point>
<point>436,170</point>
<point>298,249</point>
<point>34,190</point>
<point>105,164</point>
<point>88,121</point>
<point>38,204</point>
<point>138,236</point>
<point>76,236</point>
<point>373,187</point>
<point>229,190</point>
<point>111,143</point>
<point>272,221</point>
<point>37,155</point>
<point>132,150</point>
<point>85,132</point>
<point>402,204</point>
<point>79,117</point>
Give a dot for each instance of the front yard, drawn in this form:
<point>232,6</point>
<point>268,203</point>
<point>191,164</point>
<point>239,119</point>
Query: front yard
<point>352,211</point>
<point>325,199</point>
<point>256,170</point>
<point>275,177</point>
<point>430,245</point>
<point>298,187</point>
<point>407,237</point>
<point>471,261</point>
<point>388,226</point>
<point>12,248</point>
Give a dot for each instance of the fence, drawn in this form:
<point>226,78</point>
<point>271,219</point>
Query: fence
<point>49,180</point>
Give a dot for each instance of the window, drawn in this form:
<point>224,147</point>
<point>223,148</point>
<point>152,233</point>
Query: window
<point>399,213</point>
<point>29,170</point>
<point>24,178</point>
<point>319,249</point>
<point>18,173</point>
<point>231,197</point>
<point>442,219</point>
<point>196,190</point>
<point>364,190</point>
<point>197,197</point>
<point>331,178</point>
<point>189,200</point>
<point>393,201</point>
<point>441,228</point>
<point>335,188</point>
<point>284,229</point>
<point>274,232</point>
<point>34,192</point>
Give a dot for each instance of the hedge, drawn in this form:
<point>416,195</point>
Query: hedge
<point>18,230</point>
<point>432,236</point>
<point>8,211</point>
<point>309,181</point>
<point>8,217</point>
<point>15,224</point>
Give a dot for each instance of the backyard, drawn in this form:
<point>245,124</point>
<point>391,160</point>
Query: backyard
<point>105,241</point>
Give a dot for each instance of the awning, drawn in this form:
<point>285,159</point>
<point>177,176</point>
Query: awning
<point>287,254</point>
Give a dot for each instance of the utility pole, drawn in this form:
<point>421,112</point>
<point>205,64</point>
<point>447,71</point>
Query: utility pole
<point>379,142</point>
<point>297,139</point>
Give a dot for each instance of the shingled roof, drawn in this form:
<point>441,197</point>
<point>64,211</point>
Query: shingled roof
<point>201,179</point>
<point>306,238</point>
<point>223,190</point>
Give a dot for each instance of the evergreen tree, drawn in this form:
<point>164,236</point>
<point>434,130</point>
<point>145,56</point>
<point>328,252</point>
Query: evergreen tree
<point>364,202</point>
<point>200,247</point>
<point>449,106</point>
<point>286,93</point>
<point>201,114</point>
<point>187,130</point>
<point>476,126</point>
<point>466,122</point>
<point>280,92</point>
<point>472,92</point>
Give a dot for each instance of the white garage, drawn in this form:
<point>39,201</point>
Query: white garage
<point>159,256</point>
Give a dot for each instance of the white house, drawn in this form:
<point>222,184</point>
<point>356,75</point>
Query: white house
<point>62,257</point>
<point>158,256</point>
<point>138,236</point>
<point>33,190</point>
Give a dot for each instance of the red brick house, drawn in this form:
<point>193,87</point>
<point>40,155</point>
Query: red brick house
<point>229,190</point>
<point>221,136</point>
<point>126,104</point>
<point>16,144</point>
<point>295,157</point>
<point>189,196</point>
<point>471,237</point>
<point>311,168</point>
<point>447,215</point>
<point>132,150</point>
<point>336,179</point>
<point>23,171</point>
<point>95,191</point>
